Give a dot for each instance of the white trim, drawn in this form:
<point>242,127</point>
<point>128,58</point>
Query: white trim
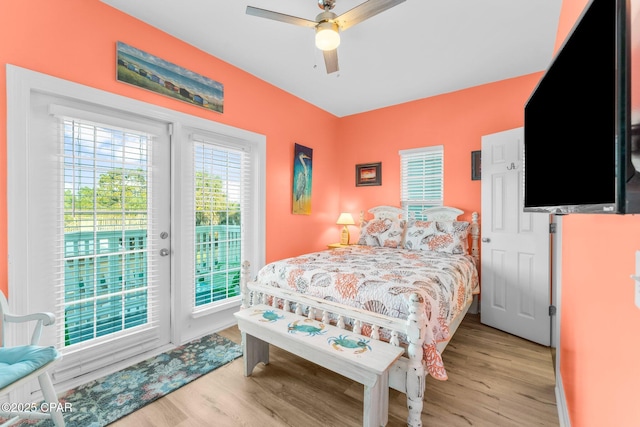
<point>233,303</point>
<point>556,293</point>
<point>561,403</point>
<point>64,112</point>
<point>412,151</point>
<point>556,285</point>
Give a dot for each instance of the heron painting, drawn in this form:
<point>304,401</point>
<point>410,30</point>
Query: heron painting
<point>302,167</point>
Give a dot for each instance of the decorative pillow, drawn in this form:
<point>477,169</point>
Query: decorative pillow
<point>417,232</point>
<point>448,237</point>
<point>382,232</point>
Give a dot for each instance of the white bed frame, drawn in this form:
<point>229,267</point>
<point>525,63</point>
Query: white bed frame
<point>408,374</point>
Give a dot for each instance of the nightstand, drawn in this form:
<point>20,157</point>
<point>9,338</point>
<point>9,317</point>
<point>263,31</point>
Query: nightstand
<point>336,245</point>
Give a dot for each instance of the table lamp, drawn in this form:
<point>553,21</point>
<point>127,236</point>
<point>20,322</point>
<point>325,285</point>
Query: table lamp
<point>345,219</point>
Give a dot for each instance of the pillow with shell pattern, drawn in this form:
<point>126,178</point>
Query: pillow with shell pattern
<point>439,236</point>
<point>382,232</point>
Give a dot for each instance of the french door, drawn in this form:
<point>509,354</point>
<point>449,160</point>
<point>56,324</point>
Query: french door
<point>99,231</point>
<point>127,220</point>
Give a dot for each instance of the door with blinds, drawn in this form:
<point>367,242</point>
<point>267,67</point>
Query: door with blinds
<point>217,178</point>
<point>128,221</point>
<point>99,232</point>
<point>218,191</point>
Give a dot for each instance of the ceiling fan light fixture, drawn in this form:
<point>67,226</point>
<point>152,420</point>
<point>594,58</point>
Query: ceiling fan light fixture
<point>327,36</point>
<point>328,25</point>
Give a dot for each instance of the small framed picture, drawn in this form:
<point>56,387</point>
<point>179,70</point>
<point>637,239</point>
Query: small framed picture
<point>368,174</point>
<point>476,165</point>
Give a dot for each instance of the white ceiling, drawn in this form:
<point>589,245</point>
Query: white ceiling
<point>417,49</point>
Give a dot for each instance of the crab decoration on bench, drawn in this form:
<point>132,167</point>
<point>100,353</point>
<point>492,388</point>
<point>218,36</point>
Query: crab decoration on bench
<point>268,315</point>
<point>311,330</point>
<point>361,345</point>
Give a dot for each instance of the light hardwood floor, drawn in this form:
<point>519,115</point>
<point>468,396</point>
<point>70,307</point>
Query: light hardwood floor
<point>495,379</point>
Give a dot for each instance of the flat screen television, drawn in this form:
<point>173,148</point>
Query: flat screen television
<point>582,121</point>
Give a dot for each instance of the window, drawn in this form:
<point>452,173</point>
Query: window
<point>421,179</point>
<point>218,184</point>
<point>105,283</point>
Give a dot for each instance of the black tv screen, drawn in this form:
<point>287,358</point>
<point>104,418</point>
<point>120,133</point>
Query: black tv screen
<point>577,122</point>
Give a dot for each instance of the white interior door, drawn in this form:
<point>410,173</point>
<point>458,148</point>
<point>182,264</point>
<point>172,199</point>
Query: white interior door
<point>515,295</point>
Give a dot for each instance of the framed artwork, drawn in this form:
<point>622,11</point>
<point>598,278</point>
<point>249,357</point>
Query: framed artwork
<point>476,165</point>
<point>302,169</point>
<point>149,72</point>
<point>368,174</point>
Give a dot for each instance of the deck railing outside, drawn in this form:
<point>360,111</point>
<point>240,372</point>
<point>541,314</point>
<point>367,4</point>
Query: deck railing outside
<point>217,255</point>
<point>106,277</point>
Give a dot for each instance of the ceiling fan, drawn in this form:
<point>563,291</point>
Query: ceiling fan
<point>328,25</point>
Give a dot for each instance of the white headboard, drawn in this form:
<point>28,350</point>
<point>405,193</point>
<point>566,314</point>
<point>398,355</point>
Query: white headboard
<point>438,213</point>
<point>441,213</point>
<point>384,212</point>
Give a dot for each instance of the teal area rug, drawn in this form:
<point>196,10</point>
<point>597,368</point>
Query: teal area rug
<point>107,399</point>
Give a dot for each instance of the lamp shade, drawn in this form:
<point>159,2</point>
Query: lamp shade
<point>327,36</point>
<point>345,218</point>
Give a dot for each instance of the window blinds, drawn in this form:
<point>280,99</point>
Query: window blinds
<point>107,286</point>
<point>221,197</point>
<point>421,179</point>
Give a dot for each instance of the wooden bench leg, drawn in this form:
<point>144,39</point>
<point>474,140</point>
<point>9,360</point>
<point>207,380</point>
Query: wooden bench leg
<point>255,351</point>
<point>376,403</point>
<point>384,399</point>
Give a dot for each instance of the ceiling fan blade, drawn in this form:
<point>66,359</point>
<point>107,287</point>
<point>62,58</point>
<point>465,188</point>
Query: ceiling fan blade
<point>331,60</point>
<point>263,13</point>
<point>364,11</point>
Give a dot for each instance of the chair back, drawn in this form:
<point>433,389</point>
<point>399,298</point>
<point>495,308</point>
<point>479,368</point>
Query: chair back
<point>22,364</point>
<point>41,319</point>
<point>4,308</point>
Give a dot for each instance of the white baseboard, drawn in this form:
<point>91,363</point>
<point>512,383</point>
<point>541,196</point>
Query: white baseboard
<point>561,403</point>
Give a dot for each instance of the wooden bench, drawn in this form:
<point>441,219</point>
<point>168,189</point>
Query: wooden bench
<point>354,356</point>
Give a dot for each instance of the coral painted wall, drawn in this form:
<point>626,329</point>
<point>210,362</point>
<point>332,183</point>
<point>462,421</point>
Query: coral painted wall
<point>599,337</point>
<point>76,40</point>
<point>457,120</point>
<point>600,324</point>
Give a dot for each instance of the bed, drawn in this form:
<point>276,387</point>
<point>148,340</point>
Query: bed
<point>409,282</point>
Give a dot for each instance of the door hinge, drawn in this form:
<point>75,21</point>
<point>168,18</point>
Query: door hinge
<point>170,129</point>
<point>552,310</point>
<point>552,228</point>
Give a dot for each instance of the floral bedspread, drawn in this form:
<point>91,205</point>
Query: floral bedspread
<point>381,280</point>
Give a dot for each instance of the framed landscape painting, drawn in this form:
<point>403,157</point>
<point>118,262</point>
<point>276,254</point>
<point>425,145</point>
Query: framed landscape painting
<point>368,174</point>
<point>149,72</point>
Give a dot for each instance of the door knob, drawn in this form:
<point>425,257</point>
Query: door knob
<point>486,239</point>
<point>164,252</point>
